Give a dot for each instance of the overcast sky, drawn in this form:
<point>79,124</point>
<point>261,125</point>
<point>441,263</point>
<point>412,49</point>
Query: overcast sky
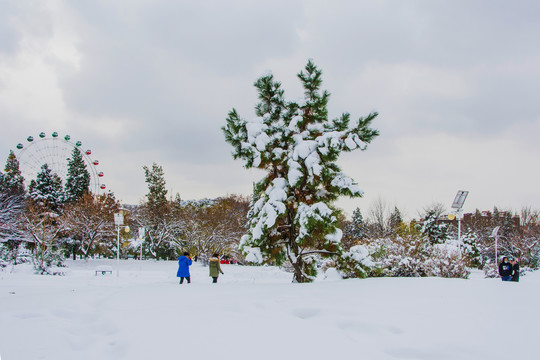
<point>456,84</point>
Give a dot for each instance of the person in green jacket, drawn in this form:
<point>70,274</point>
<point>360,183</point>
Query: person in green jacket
<point>214,267</point>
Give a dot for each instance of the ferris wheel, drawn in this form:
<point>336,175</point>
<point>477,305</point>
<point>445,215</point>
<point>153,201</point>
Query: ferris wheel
<point>55,151</point>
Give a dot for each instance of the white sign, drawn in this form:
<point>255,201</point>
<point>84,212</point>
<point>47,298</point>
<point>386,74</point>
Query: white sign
<point>118,219</point>
<point>460,199</point>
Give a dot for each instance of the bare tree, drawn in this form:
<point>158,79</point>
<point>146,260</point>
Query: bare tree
<point>377,218</point>
<point>11,236</point>
<point>217,227</point>
<point>437,208</point>
<point>11,208</point>
<point>43,226</point>
<point>90,220</point>
<point>161,231</point>
<point>529,217</point>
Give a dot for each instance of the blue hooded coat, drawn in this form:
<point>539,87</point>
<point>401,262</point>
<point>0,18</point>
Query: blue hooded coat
<point>183,266</point>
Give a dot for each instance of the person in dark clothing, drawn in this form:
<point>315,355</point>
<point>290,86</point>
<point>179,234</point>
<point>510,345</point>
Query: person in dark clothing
<point>515,270</point>
<point>505,270</point>
<point>184,262</point>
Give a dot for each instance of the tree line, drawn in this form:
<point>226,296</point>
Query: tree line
<point>50,221</point>
<point>432,245</point>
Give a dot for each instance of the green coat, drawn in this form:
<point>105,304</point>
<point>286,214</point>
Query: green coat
<point>214,267</point>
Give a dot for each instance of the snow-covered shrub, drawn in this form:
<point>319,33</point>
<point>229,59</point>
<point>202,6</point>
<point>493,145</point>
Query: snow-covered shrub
<point>3,262</point>
<point>403,256</point>
<point>534,262</point>
<point>447,261</point>
<point>471,250</point>
<point>490,271</point>
<point>406,256</point>
<point>52,264</point>
<point>12,253</point>
<point>357,263</point>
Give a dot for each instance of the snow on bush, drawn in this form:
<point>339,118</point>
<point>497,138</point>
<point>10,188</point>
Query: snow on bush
<point>357,262</point>
<point>407,256</point>
<point>52,264</point>
<point>253,255</point>
<point>13,253</point>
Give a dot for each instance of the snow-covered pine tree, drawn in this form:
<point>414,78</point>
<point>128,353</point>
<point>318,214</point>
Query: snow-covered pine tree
<point>46,189</point>
<point>291,216</point>
<point>78,177</point>
<point>12,181</point>
<point>156,215</point>
<point>434,232</point>
<point>359,226</point>
<point>395,220</point>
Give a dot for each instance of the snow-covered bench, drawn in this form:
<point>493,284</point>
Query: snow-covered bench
<point>104,269</point>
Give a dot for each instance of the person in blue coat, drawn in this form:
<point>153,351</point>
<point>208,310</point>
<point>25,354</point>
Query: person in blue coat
<point>184,262</point>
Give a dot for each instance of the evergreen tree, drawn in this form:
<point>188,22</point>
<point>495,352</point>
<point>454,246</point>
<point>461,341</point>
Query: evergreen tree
<point>46,189</point>
<point>12,198</point>
<point>359,226</point>
<point>395,220</point>
<point>157,215</point>
<point>78,177</point>
<point>435,233</point>
<point>12,181</point>
<point>291,216</point>
<point>157,193</point>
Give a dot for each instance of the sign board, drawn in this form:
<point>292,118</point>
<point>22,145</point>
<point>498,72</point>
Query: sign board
<point>141,233</point>
<point>118,219</point>
<point>495,232</point>
<point>460,199</point>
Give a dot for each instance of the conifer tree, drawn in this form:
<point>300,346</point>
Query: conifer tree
<point>292,217</point>
<point>359,226</point>
<point>12,181</point>
<point>157,193</point>
<point>435,233</point>
<point>156,215</point>
<point>395,220</point>
<point>78,177</point>
<point>12,196</point>
<point>46,189</point>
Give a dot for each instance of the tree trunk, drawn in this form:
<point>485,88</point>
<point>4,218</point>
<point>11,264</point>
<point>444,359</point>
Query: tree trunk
<point>297,263</point>
<point>299,276</point>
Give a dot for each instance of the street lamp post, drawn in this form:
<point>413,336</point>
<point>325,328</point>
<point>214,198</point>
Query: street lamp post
<point>141,237</point>
<point>119,222</point>
<point>459,200</point>
<point>495,235</point>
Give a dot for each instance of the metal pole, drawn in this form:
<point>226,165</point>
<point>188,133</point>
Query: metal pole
<point>459,230</point>
<point>118,251</point>
<point>496,254</point>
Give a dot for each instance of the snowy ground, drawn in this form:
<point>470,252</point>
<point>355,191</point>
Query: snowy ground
<point>257,313</point>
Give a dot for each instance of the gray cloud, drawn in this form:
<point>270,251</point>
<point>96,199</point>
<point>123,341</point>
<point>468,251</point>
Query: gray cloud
<point>153,81</point>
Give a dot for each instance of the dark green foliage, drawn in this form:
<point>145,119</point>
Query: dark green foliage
<point>46,189</point>
<point>435,233</point>
<point>359,225</point>
<point>395,220</point>
<point>157,193</point>
<point>78,177</point>
<point>12,181</point>
<point>292,217</point>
